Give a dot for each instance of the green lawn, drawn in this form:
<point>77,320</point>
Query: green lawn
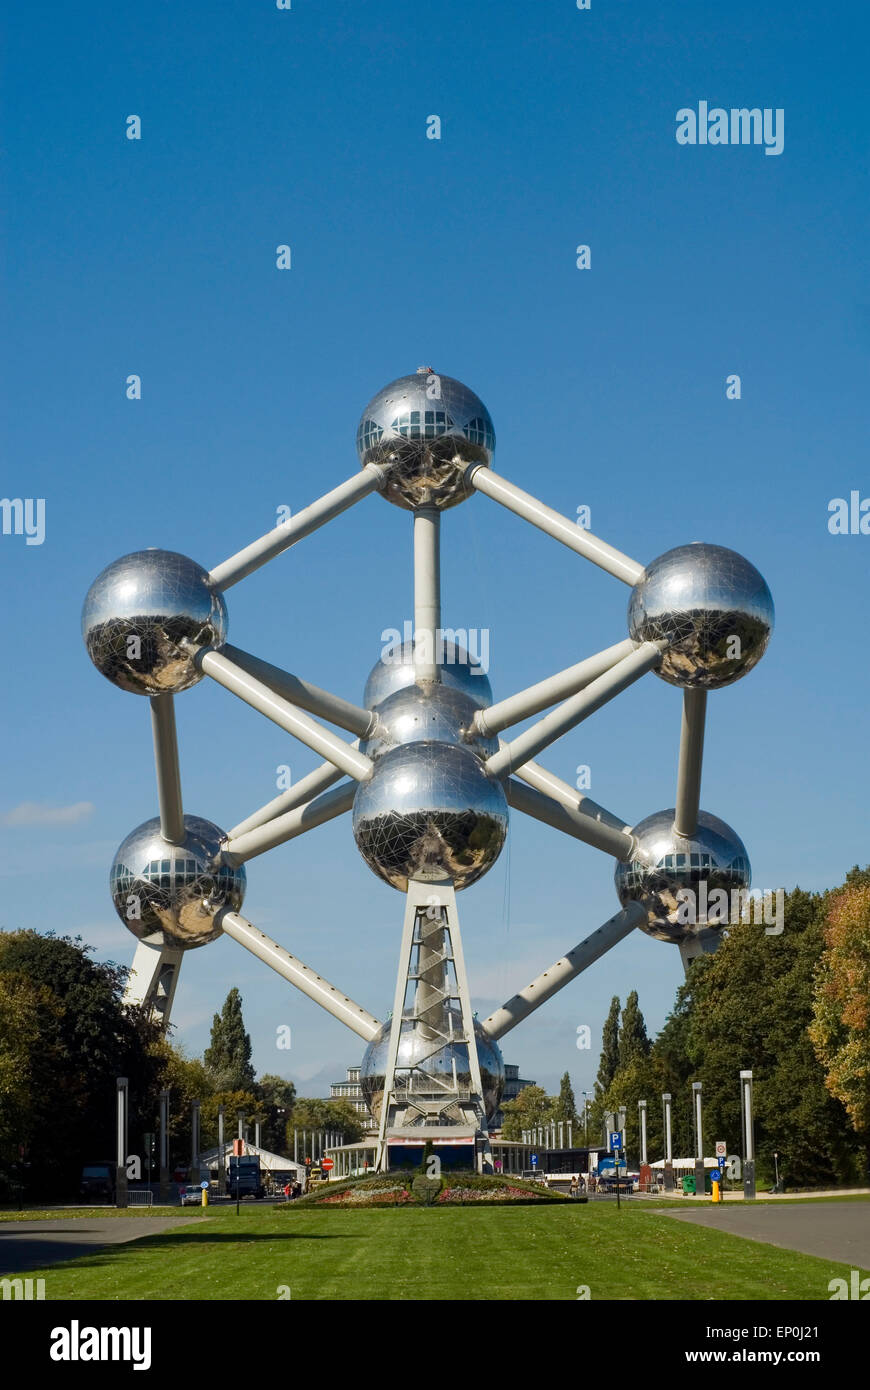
<point>520,1253</point>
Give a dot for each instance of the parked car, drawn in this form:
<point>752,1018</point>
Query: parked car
<point>191,1195</point>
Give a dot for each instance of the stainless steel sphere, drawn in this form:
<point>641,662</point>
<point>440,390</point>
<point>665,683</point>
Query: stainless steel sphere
<point>395,671</point>
<point>431,812</point>
<point>412,1053</point>
<point>146,617</point>
<point>427,429</point>
<point>665,863</point>
<point>170,894</point>
<point>713,609</point>
<point>425,713</point>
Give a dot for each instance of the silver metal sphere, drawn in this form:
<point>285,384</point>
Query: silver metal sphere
<point>413,1047</point>
<point>431,812</point>
<point>395,671</point>
<point>425,713</point>
<point>665,863</point>
<point>713,609</point>
<point>170,894</point>
<point>427,428</point>
<point>146,617</point>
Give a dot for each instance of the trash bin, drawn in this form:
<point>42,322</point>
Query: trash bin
<point>689,1185</point>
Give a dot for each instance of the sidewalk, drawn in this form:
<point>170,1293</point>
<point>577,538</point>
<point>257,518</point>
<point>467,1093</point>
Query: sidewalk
<point>765,1196</point>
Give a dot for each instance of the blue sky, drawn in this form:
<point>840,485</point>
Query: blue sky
<point>607,388</point>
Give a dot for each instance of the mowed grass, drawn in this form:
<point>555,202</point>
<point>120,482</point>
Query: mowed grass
<point>519,1253</point>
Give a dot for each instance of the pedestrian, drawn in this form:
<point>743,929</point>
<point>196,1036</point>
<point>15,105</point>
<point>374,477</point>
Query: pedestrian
<point>575,1185</point>
<point>287,1192</point>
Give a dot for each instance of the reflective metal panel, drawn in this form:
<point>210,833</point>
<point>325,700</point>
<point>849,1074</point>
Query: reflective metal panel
<point>170,894</point>
<point>146,617</point>
<point>426,428</point>
<point>713,858</point>
<point>395,671</point>
<point>430,811</point>
<point>425,713</point>
<point>713,609</point>
<point>413,1050</point>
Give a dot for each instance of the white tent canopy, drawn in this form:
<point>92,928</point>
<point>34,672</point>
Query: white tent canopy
<point>269,1162</point>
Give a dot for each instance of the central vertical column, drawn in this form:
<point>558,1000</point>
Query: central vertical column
<point>427,1101</point>
<point>427,592</point>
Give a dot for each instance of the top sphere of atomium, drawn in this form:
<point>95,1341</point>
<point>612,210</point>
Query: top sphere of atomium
<point>426,429</point>
<point>147,616</point>
<point>713,609</point>
<point>666,864</point>
<point>170,895</point>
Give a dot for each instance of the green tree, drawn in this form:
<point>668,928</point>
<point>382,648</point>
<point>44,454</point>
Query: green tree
<point>277,1098</point>
<point>532,1107</point>
<point>339,1116</point>
<point>633,1041</point>
<point>609,1062</point>
<point>75,1040</point>
<point>841,1006</point>
<point>228,1056</point>
<point>566,1106</point>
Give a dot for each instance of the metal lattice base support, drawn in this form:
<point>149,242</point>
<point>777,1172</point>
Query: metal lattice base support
<point>425,1097</point>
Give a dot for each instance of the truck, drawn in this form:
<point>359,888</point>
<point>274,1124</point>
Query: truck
<point>244,1177</point>
<point>98,1179</point>
<point>607,1174</point>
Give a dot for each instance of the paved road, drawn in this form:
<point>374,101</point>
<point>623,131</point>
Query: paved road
<point>32,1244</point>
<point>833,1230</point>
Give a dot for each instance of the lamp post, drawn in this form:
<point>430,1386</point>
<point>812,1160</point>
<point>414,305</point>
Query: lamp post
<point>748,1136</point>
<point>222,1165</point>
<point>669,1155</point>
<point>641,1106</point>
<point>164,1146</point>
<point>699,1139</point>
<point>122,1086</point>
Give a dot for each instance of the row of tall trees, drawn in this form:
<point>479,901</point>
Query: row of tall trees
<point>65,1036</point>
<point>794,1008</point>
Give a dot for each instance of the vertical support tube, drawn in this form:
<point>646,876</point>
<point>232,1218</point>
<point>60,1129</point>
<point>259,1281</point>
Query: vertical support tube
<point>641,1105</point>
<point>122,1086</point>
<point>691,759</point>
<point>748,1136</point>
<point>166,763</point>
<point>427,592</point>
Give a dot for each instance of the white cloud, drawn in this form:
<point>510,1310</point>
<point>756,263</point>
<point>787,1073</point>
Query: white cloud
<point>38,813</point>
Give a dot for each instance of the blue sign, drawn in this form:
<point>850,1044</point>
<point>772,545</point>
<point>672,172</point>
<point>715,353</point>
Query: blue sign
<point>534,1160</point>
<point>615,1139</point>
<point>204,1186</point>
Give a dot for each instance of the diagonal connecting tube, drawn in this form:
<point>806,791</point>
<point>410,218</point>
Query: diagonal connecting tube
<point>561,528</point>
<point>528,744</point>
<point>302,524</point>
<point>563,971</point>
<point>259,696</point>
<point>287,966</point>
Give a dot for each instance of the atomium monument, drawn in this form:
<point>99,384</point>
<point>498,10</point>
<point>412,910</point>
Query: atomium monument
<point>428,778</point>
